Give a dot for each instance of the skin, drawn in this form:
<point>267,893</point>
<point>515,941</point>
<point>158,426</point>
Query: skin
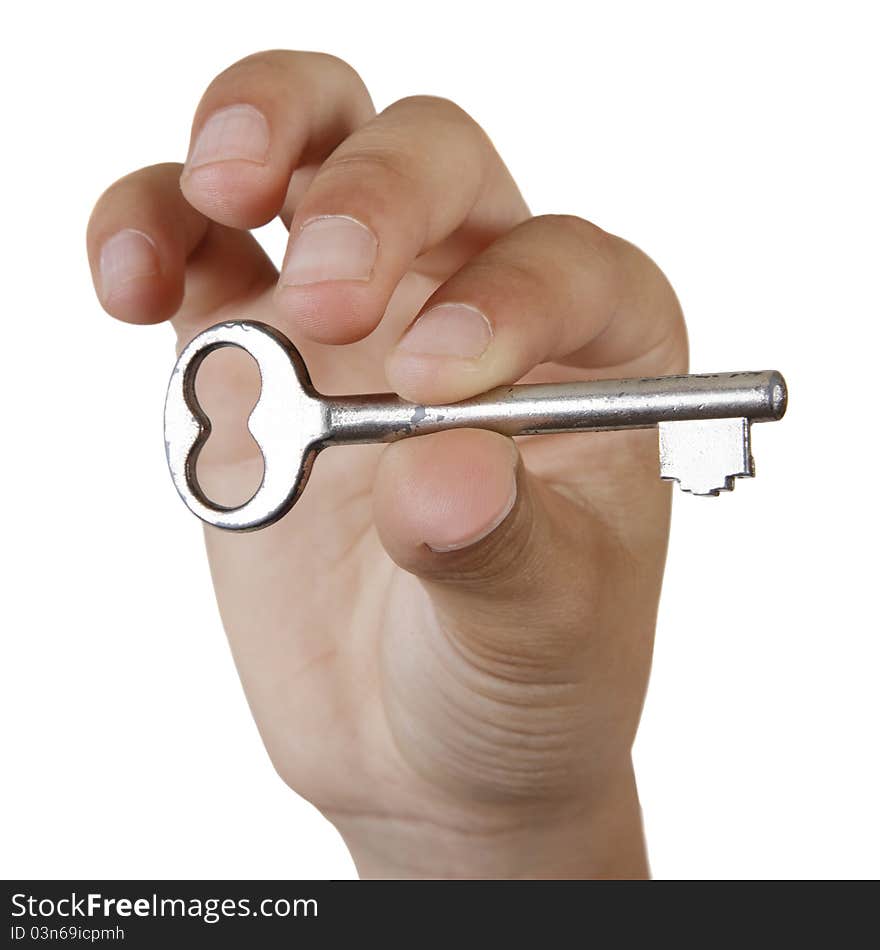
<point>446,643</point>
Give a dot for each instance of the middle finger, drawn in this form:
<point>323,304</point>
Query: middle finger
<point>396,189</point>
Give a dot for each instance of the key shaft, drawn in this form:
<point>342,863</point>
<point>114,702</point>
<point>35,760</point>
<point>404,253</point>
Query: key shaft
<point>596,405</point>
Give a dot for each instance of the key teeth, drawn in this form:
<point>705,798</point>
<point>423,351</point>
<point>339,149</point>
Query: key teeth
<point>706,492</point>
<point>705,456</point>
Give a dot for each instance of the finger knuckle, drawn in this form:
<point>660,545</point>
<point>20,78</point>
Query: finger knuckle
<point>343,73</point>
<point>438,105</point>
<point>255,63</point>
<point>514,278</point>
<point>280,64</point>
<point>385,166</point>
<point>444,113</point>
<point>143,184</point>
<point>574,228</point>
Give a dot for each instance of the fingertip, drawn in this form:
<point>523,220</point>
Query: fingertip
<point>443,493</point>
<point>330,286</point>
<point>132,281</point>
<point>329,312</point>
<point>144,302</point>
<point>237,194</point>
<point>435,380</point>
<point>449,353</point>
<point>231,174</point>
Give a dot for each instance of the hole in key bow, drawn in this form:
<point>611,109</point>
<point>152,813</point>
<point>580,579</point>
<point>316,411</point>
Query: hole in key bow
<point>230,465</point>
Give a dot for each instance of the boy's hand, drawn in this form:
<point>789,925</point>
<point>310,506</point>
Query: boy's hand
<point>446,643</point>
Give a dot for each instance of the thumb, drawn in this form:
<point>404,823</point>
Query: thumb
<point>508,562</point>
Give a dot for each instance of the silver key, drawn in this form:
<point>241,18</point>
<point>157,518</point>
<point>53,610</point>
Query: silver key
<point>703,421</point>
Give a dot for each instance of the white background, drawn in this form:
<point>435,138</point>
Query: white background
<point>736,143</point>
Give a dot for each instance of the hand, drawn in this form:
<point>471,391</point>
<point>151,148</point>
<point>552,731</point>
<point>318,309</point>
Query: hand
<point>446,643</point>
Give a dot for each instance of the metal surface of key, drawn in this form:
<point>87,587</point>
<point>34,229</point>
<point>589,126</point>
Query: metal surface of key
<point>703,421</point>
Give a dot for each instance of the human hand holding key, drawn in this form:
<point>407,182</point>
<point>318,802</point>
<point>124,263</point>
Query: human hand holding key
<point>446,643</point>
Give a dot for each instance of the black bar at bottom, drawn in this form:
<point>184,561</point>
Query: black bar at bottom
<point>554,914</point>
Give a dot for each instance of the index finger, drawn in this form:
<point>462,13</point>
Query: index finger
<point>557,289</point>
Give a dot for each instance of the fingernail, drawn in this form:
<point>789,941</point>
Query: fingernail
<point>126,256</point>
<point>236,133</point>
<point>334,247</point>
<point>485,531</point>
<point>449,329</point>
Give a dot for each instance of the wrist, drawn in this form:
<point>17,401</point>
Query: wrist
<point>597,836</point>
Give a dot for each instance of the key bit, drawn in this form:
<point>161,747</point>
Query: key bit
<point>706,456</point>
<point>703,421</point>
